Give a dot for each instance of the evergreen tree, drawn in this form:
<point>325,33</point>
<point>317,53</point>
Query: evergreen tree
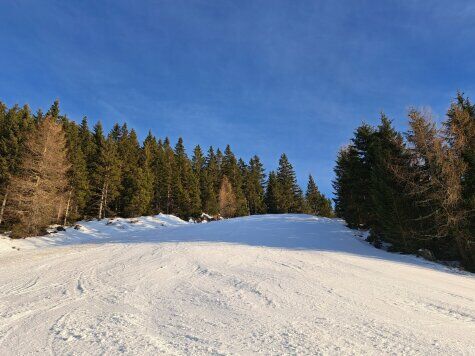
<point>290,199</point>
<point>198,162</point>
<point>166,177</point>
<point>347,202</point>
<point>15,125</point>
<point>105,175</point>
<point>460,135</point>
<point>316,202</point>
<point>210,183</point>
<point>54,110</point>
<point>272,194</point>
<point>78,174</point>
<point>231,169</point>
<point>254,186</point>
<point>363,141</point>
<point>392,205</point>
<point>188,203</point>
<point>136,188</point>
<point>149,154</point>
<point>213,170</point>
<point>158,168</point>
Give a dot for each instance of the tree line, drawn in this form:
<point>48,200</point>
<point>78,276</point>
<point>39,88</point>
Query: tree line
<point>414,190</point>
<point>54,170</point>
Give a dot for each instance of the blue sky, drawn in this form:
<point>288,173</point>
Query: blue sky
<point>265,76</point>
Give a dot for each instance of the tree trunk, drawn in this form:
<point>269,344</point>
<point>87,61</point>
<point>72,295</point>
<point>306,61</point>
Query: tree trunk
<point>4,203</point>
<point>105,202</point>
<point>60,208</point>
<point>102,200</point>
<point>168,200</point>
<point>66,213</point>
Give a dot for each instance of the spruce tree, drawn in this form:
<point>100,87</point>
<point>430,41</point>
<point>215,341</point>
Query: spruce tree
<point>363,141</point>
<point>213,170</point>
<point>460,135</point>
<point>347,203</point>
<point>54,110</point>
<point>15,125</point>
<point>78,174</point>
<point>149,154</point>
<point>231,169</point>
<point>392,205</point>
<point>188,202</point>
<point>105,175</point>
<point>272,194</point>
<point>254,186</point>
<point>136,188</point>
<point>316,202</point>
<point>198,162</point>
<point>166,177</point>
<point>290,199</point>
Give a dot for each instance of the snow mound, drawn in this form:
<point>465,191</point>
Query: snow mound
<point>95,231</point>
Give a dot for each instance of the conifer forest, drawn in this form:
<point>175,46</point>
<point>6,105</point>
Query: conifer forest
<point>55,171</point>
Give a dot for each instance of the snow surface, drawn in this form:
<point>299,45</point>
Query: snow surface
<point>272,284</point>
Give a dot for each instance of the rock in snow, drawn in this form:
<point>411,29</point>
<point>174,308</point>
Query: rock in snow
<point>272,284</point>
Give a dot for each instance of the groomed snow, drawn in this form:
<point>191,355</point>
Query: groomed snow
<point>273,284</point>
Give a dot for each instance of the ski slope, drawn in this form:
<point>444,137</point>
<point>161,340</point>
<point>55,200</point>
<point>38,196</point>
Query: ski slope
<point>272,284</point>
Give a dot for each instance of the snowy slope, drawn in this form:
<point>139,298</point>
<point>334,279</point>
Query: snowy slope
<point>280,284</point>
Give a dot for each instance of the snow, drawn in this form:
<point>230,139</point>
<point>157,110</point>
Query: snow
<point>271,284</point>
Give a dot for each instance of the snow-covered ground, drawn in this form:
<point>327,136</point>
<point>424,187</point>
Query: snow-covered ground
<point>274,284</point>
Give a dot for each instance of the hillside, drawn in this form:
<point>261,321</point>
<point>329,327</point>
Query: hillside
<point>271,284</point>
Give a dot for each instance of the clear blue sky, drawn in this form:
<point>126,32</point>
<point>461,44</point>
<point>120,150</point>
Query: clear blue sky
<point>265,76</point>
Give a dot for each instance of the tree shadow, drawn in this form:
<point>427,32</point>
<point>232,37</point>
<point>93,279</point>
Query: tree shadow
<point>286,231</point>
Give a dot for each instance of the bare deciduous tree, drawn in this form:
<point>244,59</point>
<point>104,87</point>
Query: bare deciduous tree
<point>227,199</point>
<point>39,191</point>
<point>435,181</point>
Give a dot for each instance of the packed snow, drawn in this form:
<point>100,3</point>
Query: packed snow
<point>271,284</point>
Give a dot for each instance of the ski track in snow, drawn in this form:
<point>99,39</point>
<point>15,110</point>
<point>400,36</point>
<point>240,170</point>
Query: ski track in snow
<point>275,284</point>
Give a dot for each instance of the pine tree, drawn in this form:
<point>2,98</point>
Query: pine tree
<point>136,191</point>
<point>363,141</point>
<point>272,194</point>
<point>231,169</point>
<point>187,193</point>
<point>15,125</point>
<point>78,174</point>
<point>198,162</point>
<point>213,170</point>
<point>254,186</point>
<point>54,110</point>
<point>316,202</point>
<point>345,185</point>
<point>460,135</point>
<point>38,190</point>
<point>105,175</point>
<point>290,199</point>
<point>210,184</point>
<point>166,176</point>
<point>190,180</point>
<point>392,205</point>
<point>149,155</point>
